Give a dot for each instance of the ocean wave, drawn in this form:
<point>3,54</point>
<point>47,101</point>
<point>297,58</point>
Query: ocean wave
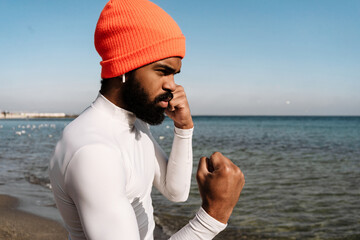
<point>42,181</point>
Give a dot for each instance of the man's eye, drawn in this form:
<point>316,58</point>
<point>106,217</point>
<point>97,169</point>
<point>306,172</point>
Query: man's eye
<point>162,72</point>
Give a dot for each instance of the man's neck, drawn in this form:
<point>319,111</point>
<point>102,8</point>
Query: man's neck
<point>115,98</point>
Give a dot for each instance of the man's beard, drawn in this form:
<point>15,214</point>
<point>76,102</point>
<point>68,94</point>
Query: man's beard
<point>138,102</point>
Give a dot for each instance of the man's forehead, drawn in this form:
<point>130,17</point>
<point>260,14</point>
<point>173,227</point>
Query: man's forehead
<point>172,63</point>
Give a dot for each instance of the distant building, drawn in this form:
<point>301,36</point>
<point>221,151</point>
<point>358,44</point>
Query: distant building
<point>10,115</point>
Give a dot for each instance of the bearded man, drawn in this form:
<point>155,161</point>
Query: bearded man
<point>107,161</point>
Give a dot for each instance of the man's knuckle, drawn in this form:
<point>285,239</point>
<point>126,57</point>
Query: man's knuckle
<point>237,170</point>
<point>227,170</point>
<point>242,178</point>
<point>216,154</point>
<point>199,177</point>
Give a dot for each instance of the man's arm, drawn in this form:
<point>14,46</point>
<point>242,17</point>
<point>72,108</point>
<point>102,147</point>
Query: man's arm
<point>173,175</point>
<point>95,180</point>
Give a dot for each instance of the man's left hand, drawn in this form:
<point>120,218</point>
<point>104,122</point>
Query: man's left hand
<point>178,109</point>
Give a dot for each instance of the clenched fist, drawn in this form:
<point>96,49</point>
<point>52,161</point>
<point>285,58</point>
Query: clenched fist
<point>220,183</point>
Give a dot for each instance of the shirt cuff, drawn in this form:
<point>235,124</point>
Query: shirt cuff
<point>206,225</point>
<point>184,133</point>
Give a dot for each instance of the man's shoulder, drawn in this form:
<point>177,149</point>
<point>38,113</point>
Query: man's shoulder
<point>87,118</point>
<point>88,128</point>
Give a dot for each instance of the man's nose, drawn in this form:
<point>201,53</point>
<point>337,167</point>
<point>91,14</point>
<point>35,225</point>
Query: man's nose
<point>169,83</point>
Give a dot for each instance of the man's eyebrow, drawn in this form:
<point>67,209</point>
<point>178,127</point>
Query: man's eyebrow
<point>167,68</point>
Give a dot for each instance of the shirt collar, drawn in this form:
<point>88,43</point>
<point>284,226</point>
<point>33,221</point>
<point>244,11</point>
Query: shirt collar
<point>103,104</point>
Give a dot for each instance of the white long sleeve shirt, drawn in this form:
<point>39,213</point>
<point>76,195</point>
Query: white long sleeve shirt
<point>103,170</point>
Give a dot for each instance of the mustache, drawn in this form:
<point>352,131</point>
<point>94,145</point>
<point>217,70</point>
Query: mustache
<point>167,96</point>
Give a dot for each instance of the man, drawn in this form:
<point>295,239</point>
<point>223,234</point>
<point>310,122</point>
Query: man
<point>107,161</point>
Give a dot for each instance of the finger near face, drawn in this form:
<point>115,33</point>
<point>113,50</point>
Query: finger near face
<point>170,108</point>
<point>178,100</point>
<point>179,88</point>
<point>179,91</point>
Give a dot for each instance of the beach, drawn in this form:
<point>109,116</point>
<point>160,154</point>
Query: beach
<point>16,224</point>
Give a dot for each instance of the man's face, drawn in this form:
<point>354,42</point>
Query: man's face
<point>147,91</point>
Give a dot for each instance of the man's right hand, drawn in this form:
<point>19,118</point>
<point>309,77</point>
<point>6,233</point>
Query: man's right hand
<point>220,183</point>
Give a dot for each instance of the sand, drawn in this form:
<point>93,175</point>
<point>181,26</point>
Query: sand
<point>19,225</point>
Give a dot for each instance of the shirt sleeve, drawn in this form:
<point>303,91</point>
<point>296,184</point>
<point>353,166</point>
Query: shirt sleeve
<point>95,180</point>
<point>202,227</point>
<point>173,175</point>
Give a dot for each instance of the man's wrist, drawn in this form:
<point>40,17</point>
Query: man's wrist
<point>209,222</point>
<point>185,125</point>
<point>183,133</point>
<point>221,215</point>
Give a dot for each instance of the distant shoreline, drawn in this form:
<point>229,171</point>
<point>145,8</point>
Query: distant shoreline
<point>24,115</point>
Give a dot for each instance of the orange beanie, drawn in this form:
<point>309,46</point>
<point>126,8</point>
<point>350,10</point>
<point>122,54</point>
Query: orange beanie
<point>133,33</point>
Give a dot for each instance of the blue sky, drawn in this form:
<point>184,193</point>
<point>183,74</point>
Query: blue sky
<point>253,57</point>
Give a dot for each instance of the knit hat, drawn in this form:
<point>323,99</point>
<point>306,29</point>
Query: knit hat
<point>133,33</point>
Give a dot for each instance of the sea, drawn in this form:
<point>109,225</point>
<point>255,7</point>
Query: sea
<point>302,173</point>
